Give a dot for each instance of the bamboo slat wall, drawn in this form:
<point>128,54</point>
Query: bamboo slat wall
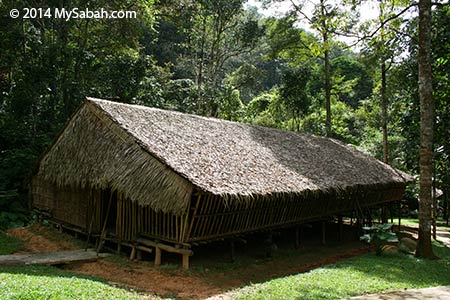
<point>67,204</point>
<point>208,217</point>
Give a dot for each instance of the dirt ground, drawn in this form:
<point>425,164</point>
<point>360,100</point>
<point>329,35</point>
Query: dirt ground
<point>39,238</point>
<point>211,271</point>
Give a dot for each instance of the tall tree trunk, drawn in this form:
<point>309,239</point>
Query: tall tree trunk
<point>384,112</point>
<point>327,88</point>
<point>327,68</point>
<point>383,86</point>
<point>200,71</point>
<point>424,248</point>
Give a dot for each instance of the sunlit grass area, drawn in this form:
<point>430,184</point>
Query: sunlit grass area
<point>365,274</point>
<point>414,222</point>
<point>39,282</point>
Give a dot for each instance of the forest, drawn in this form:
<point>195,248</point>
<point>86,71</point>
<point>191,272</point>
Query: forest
<point>317,67</point>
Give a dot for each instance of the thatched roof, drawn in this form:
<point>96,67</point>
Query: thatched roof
<point>152,154</point>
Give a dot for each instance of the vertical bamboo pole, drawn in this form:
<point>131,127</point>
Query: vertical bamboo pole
<point>103,234</point>
<point>93,215</point>
<point>194,216</point>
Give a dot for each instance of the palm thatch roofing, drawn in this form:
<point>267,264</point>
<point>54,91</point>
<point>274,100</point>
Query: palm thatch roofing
<point>158,157</point>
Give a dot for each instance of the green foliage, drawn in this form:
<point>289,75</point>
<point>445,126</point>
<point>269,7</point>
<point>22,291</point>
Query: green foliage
<point>231,107</point>
<point>13,211</point>
<point>9,245</point>
<point>47,67</point>
<point>343,122</point>
<point>360,275</point>
<point>353,75</point>
<point>293,90</point>
<point>379,236</point>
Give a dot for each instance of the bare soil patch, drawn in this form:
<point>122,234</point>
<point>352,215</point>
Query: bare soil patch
<point>40,238</point>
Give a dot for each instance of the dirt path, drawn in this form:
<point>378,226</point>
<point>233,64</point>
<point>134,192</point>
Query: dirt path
<point>434,293</point>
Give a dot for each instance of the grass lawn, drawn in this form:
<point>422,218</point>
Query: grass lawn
<point>413,222</point>
<point>365,274</point>
<point>40,282</point>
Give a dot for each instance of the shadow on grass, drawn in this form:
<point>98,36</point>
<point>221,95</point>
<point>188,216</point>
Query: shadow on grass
<point>9,244</point>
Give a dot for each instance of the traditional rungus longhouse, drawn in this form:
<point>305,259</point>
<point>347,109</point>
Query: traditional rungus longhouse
<point>126,172</point>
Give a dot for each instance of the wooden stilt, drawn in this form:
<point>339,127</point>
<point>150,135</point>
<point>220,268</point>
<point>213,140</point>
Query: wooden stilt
<point>391,213</point>
<point>384,218</point>
<point>133,253</point>
<point>186,261</point>
<point>139,254</point>
<point>157,256</point>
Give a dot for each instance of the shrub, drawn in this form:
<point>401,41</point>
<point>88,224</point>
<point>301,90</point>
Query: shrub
<point>379,236</point>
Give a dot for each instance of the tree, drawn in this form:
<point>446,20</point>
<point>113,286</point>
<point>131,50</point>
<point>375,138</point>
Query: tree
<point>424,248</point>
<point>328,19</point>
<point>48,66</point>
<point>217,32</point>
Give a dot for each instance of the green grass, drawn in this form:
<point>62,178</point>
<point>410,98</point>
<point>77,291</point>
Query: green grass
<point>9,244</point>
<point>40,282</point>
<point>50,283</point>
<point>365,274</point>
<point>414,222</point>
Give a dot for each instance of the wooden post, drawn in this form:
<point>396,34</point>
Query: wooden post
<point>340,224</point>
<point>384,218</point>
<point>157,256</point>
<point>185,261</point>
<point>133,253</point>
<point>391,213</point>
<point>324,225</point>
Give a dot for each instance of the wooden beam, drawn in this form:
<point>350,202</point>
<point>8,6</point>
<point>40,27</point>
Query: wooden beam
<point>165,247</point>
<point>49,258</point>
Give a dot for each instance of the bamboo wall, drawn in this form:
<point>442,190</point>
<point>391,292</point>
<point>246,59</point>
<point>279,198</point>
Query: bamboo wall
<point>65,204</point>
<point>210,218</point>
<point>207,217</point>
